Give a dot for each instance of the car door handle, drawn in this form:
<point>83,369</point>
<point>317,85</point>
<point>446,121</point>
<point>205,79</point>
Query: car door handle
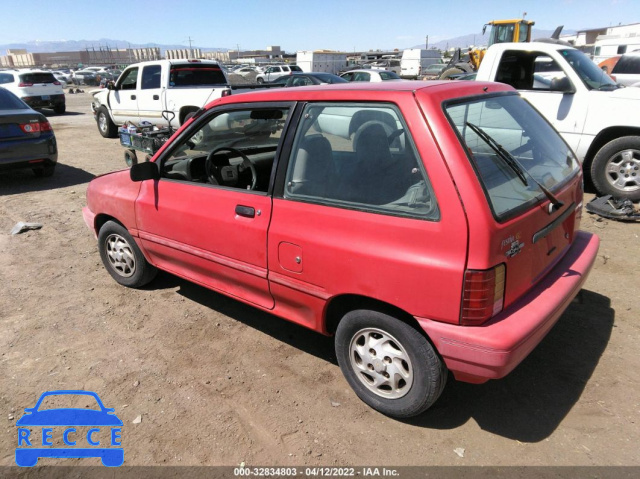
<point>156,97</point>
<point>246,211</point>
<point>133,97</point>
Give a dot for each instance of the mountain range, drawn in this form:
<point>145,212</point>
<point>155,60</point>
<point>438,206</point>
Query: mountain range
<point>39,46</point>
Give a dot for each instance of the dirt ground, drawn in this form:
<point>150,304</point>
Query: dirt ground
<point>216,382</point>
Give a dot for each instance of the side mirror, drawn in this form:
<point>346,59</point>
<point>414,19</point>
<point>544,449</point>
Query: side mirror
<point>147,170</point>
<point>562,85</point>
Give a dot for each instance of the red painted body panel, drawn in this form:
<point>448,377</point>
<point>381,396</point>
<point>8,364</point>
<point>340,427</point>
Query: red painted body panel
<point>113,195</point>
<point>193,231</point>
<point>490,351</point>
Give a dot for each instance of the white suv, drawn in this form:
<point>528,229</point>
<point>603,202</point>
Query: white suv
<point>38,89</point>
<point>276,71</point>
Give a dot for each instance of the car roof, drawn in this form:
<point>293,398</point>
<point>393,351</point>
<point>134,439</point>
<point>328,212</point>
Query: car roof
<point>365,90</point>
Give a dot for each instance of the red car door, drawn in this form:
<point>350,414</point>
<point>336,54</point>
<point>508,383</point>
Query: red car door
<point>206,219</point>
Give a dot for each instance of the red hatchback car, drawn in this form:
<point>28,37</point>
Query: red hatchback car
<point>432,227</point>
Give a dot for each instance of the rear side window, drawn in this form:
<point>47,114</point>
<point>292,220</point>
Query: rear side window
<point>6,78</point>
<point>509,144</point>
<point>295,68</point>
<point>389,76</point>
<point>151,77</point>
<point>8,101</point>
<point>196,74</point>
<point>37,77</point>
<point>359,156</point>
<point>627,64</point>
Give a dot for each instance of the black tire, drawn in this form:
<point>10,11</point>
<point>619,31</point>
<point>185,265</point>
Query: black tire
<point>260,80</point>
<point>130,158</point>
<point>187,117</point>
<point>60,109</point>
<point>122,258</point>
<point>615,169</point>
<point>106,127</point>
<point>44,171</point>
<point>425,372</point>
<point>449,72</point>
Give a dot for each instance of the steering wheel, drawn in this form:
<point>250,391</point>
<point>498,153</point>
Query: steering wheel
<point>221,172</point>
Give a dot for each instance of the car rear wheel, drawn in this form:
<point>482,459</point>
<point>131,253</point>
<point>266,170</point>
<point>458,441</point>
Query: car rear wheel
<point>60,109</point>
<point>122,258</point>
<point>388,363</point>
<point>615,169</point>
<point>107,128</point>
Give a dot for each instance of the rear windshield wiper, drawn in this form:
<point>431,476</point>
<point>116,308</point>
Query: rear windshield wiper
<point>512,163</point>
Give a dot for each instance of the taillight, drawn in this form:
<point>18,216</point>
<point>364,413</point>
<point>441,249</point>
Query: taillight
<point>41,126</point>
<point>483,295</point>
<point>23,84</point>
<point>57,83</point>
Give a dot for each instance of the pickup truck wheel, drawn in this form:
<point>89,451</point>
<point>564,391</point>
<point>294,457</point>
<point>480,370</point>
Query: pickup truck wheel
<point>107,128</point>
<point>59,109</point>
<point>615,169</point>
<point>122,258</point>
<point>389,365</point>
<point>449,72</point>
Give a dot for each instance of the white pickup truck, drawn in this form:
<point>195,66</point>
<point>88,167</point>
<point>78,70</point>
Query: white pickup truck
<point>598,118</point>
<point>145,90</point>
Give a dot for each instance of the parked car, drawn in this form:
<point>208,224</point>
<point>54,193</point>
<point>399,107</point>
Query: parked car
<point>369,75</point>
<point>627,70</point>
<point>389,217</point>
<point>26,137</point>
<point>244,71</point>
<point>433,71</point>
<point>38,89</point>
<point>311,78</point>
<point>608,64</point>
<point>62,77</point>
<point>84,77</point>
<point>276,71</point>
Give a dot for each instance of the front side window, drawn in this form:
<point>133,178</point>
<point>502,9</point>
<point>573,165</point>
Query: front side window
<point>129,79</point>
<point>510,145</point>
<point>233,149</point>
<point>384,75</point>
<point>362,76</point>
<point>358,156</point>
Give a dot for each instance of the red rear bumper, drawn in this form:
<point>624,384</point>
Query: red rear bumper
<point>477,354</point>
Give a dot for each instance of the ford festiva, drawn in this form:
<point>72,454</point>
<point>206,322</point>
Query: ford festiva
<point>431,227</point>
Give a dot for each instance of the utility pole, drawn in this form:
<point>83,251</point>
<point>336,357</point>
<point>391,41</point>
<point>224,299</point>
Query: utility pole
<point>190,50</point>
<point>427,43</point>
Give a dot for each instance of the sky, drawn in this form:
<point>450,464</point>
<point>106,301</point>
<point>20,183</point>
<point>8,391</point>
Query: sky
<point>344,25</point>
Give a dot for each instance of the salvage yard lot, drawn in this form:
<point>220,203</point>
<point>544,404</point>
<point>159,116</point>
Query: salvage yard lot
<point>217,382</point>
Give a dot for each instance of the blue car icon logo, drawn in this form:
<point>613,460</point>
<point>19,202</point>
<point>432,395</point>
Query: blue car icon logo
<point>28,452</point>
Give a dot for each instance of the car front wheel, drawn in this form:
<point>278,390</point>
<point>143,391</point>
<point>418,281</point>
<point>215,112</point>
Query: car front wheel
<point>122,257</point>
<point>616,168</point>
<point>107,128</point>
<point>388,363</point>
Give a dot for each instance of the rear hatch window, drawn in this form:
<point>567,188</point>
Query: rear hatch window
<point>627,64</point>
<point>37,77</point>
<point>195,74</point>
<point>514,151</point>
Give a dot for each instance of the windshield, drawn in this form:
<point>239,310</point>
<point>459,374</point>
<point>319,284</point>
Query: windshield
<point>591,75</point>
<point>512,124</point>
